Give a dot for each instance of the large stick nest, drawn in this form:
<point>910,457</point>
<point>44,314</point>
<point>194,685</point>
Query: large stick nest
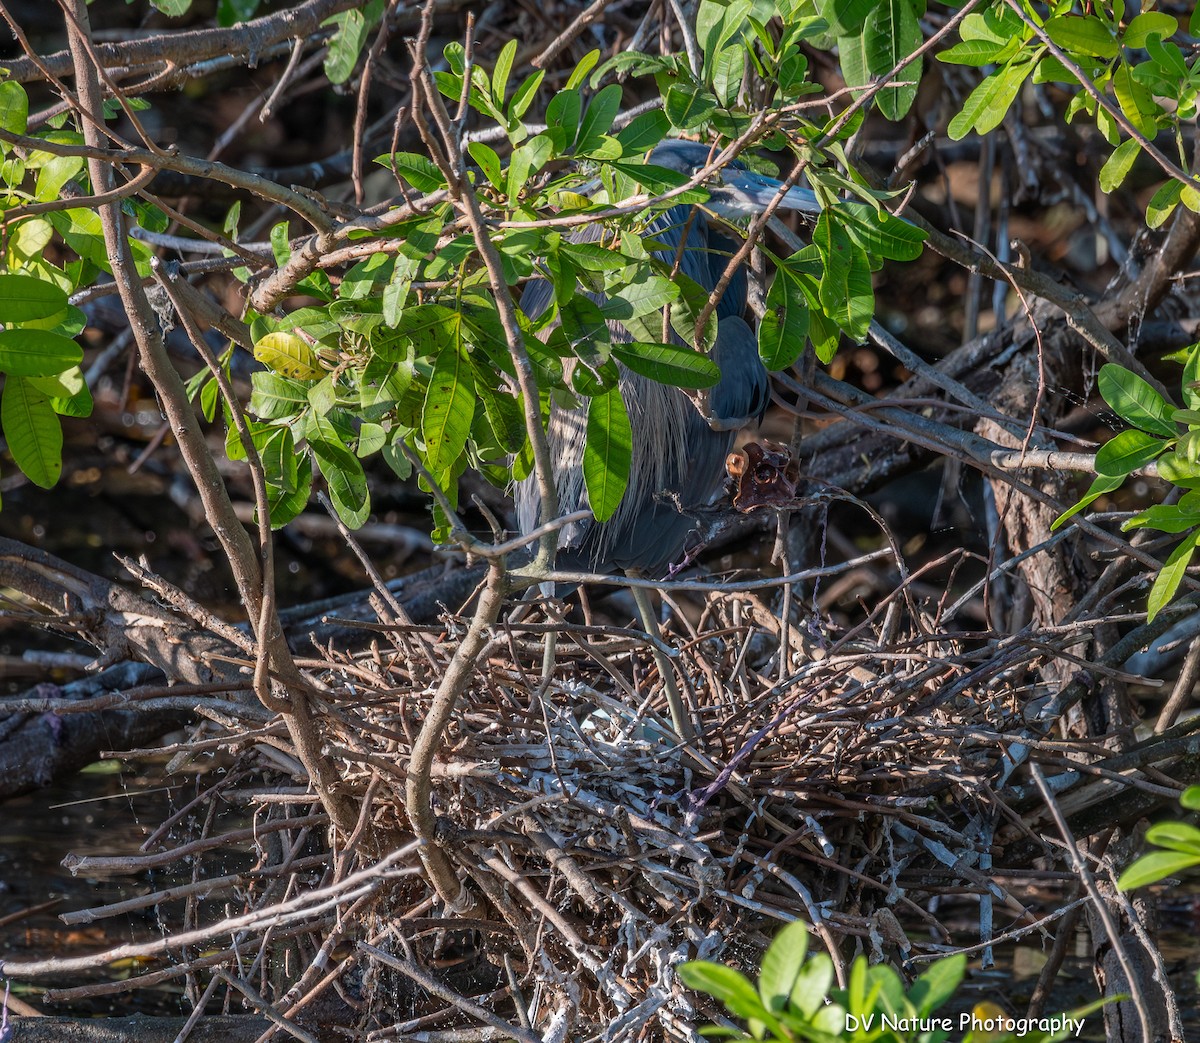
<point>845,789</point>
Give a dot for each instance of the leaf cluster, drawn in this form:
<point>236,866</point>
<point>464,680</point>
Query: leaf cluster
<point>1124,59</point>
<point>1161,434</point>
<point>408,353</point>
<point>1179,844</point>
<point>794,999</point>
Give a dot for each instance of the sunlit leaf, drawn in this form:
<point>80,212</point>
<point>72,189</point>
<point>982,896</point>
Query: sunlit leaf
<point>1167,582</point>
<point>1150,869</point>
<point>1118,165</point>
<point>418,171</point>
<point>987,105</point>
<point>449,408</point>
<point>37,353</point>
<point>289,355</point>
<point>24,298</point>
<point>607,453</point>
<point>668,363</point>
<point>32,431</point>
<point>1135,401</point>
<point>1102,484</point>
<point>781,965</point>
<point>1126,452</point>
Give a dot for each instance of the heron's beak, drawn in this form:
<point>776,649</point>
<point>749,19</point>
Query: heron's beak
<point>745,194</point>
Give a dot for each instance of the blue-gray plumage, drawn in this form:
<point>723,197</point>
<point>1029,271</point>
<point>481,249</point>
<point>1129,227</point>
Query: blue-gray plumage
<point>678,456</point>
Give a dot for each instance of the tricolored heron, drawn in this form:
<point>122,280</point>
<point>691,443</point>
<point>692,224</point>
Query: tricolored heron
<point>678,456</point>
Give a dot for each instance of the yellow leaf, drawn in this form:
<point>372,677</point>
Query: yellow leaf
<point>287,354</point>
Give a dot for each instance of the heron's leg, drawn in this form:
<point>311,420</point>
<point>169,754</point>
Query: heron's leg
<point>550,644</point>
<point>679,717</point>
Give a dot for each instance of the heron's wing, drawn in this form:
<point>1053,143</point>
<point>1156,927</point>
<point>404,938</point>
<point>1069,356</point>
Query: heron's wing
<point>536,297</point>
<point>743,392</point>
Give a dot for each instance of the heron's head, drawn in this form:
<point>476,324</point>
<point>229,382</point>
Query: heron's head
<point>739,192</point>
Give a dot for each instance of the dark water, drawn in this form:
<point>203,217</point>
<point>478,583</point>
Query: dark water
<point>108,809</point>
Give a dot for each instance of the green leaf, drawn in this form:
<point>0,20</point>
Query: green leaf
<point>812,985</point>
<point>845,289</point>
<point>62,385</point>
<point>54,174</point>
<point>1163,203</point>
<point>1166,583</point>
<point>488,162</point>
<point>717,23</point>
<point>891,34</point>
<point>1176,836</point>
<point>1126,452</point>
<point>824,335</point>
<point>275,397</point>
<point>345,45</point>
<point>449,409</point>
<point>261,435</point>
<point>608,452</point>
<point>688,105</point>
<point>502,411</point>
<point>845,17</point>
<point>1169,63</point>
<point>1178,470</point>
<point>83,233</point>
<point>371,438</point>
<point>644,132</point>
<point>418,171</point>
<point>1136,101</point>
<point>1118,165</point>
<point>230,12</point>
<point>1082,34</point>
<point>976,52</point>
<point>172,8</point>
<point>987,104</point>
<point>586,64</point>
<point>1102,484</point>
<point>24,298</point>
<point>599,118</point>
<point>1147,24</point>
<point>1191,377</point>
<point>32,431</point>
<point>729,69</point>
<point>587,334</point>
<point>785,324</point>
<point>938,984</point>
<point>14,108</point>
<point>37,353</point>
<point>781,965</point>
<point>527,161</point>
<point>880,233</point>
<point>284,505</point>
<point>1149,869</point>
<point>1135,401</point>
<point>500,74</point>
<point>733,989</point>
<point>668,364</point>
<point>658,180</point>
<point>563,112</point>
<point>342,471</point>
<point>523,96</point>
<point>1165,517</point>
<point>1190,798</point>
